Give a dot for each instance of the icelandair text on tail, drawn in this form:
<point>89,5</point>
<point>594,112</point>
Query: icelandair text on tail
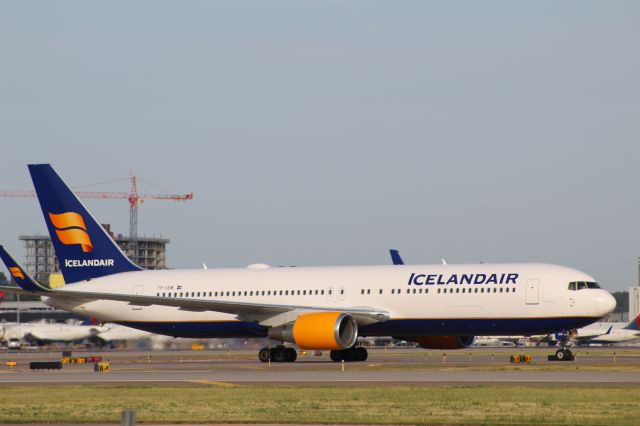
<point>75,263</point>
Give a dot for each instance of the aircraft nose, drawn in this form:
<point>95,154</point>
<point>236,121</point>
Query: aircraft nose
<point>605,303</point>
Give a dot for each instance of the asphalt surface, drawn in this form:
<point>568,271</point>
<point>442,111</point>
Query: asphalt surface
<point>599,366</point>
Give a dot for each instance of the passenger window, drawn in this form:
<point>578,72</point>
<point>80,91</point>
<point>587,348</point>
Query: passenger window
<point>322,292</point>
<point>362,291</point>
<point>286,293</point>
<point>420,291</point>
<point>408,291</point>
<point>304,292</point>
<point>227,294</point>
<point>341,291</point>
<point>379,291</point>
<point>426,290</point>
<point>500,289</point>
<point>162,294</point>
<point>482,290</point>
<point>298,292</point>
<point>368,291</point>
<point>438,291</point>
<point>475,290</point>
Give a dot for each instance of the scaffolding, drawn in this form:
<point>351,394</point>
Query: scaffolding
<point>40,259</point>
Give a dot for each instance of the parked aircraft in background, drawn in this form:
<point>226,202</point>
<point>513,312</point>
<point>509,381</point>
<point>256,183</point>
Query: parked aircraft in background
<point>608,332</point>
<point>438,306</point>
<point>42,332</point>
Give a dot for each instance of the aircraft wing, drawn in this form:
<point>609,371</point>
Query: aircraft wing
<point>266,314</point>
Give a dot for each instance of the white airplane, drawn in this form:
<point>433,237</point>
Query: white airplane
<point>115,332</point>
<point>46,332</point>
<point>608,332</point>
<point>327,308</point>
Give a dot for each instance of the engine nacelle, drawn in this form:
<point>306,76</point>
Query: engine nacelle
<point>445,342</point>
<point>319,330</point>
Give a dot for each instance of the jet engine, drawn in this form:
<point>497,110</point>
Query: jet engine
<point>445,342</point>
<point>319,330</point>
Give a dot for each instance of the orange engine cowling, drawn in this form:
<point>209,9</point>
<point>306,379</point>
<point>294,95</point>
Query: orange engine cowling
<point>319,330</point>
<point>445,342</point>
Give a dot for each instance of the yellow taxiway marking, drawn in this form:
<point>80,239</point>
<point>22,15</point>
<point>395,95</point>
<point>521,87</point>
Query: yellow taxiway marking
<point>214,383</point>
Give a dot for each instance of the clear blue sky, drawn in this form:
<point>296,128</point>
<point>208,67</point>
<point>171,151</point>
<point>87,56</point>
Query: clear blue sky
<point>324,133</point>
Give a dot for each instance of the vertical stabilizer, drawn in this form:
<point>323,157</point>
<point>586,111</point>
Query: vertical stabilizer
<point>84,249</point>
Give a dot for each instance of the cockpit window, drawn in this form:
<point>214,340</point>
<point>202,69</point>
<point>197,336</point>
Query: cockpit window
<point>581,285</point>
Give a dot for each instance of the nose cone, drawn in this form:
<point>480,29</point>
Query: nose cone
<point>605,303</point>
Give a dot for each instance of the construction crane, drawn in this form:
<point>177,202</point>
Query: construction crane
<point>134,200</point>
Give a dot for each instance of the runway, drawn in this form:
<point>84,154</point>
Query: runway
<point>407,367</point>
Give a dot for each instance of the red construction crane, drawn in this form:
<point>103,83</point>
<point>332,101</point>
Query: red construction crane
<point>134,199</point>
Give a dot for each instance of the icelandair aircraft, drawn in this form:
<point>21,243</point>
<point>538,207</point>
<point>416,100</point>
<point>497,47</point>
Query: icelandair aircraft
<point>327,308</point>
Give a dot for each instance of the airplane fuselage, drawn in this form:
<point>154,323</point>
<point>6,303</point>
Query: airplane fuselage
<point>421,300</point>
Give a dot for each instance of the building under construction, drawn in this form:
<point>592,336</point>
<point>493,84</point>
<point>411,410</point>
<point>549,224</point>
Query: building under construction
<point>40,258</point>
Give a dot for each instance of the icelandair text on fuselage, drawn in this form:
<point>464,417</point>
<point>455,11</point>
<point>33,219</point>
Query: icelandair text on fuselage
<point>75,263</point>
<point>439,279</point>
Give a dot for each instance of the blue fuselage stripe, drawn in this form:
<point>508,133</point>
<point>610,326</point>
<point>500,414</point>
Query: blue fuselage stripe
<point>393,327</point>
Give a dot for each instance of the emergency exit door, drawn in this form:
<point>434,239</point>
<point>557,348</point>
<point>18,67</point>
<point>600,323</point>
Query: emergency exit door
<point>533,292</point>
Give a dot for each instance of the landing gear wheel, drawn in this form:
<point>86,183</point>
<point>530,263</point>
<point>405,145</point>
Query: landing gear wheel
<point>278,354</point>
<point>349,355</point>
<point>264,354</point>
<point>560,354</point>
<point>290,354</point>
<point>361,354</point>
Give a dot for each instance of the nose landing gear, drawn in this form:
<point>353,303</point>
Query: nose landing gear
<point>564,353</point>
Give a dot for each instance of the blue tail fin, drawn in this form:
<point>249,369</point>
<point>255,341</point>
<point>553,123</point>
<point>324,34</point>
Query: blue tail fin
<point>83,247</point>
<point>19,274</point>
<point>395,257</point>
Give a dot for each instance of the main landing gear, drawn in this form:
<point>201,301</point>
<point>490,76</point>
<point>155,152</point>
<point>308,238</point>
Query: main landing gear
<point>277,354</point>
<point>348,355</point>
<point>281,353</point>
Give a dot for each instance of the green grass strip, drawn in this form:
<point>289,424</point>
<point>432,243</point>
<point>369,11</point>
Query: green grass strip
<point>424,405</point>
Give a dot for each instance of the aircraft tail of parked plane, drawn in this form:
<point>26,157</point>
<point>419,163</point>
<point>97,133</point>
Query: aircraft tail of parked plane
<point>19,274</point>
<point>84,249</point>
<point>634,324</point>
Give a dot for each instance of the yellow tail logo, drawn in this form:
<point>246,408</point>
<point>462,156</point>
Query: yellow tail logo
<point>70,229</point>
<point>16,272</point>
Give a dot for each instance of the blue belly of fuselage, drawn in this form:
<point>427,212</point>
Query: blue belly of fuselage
<point>393,327</point>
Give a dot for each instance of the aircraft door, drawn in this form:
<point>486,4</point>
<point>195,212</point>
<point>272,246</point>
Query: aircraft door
<point>533,292</point>
<point>138,290</point>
